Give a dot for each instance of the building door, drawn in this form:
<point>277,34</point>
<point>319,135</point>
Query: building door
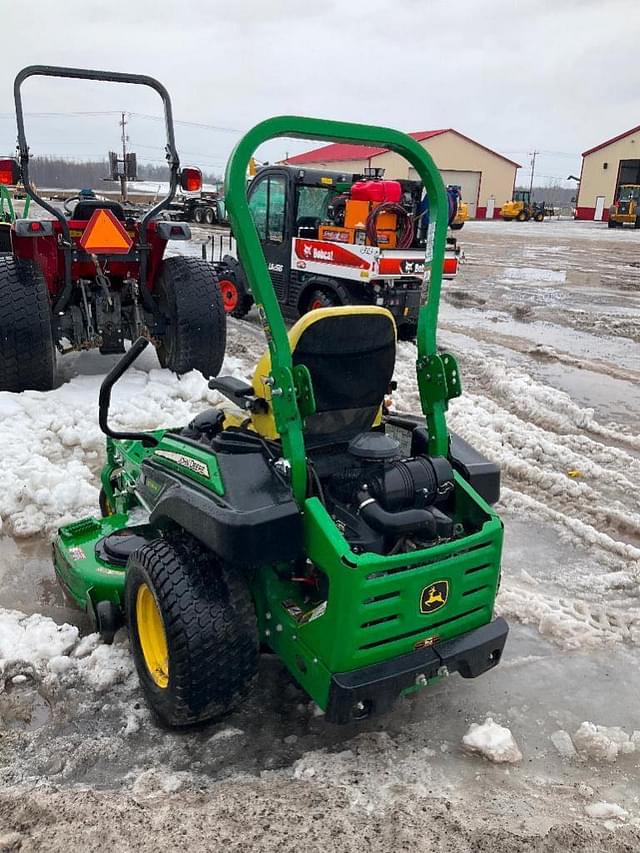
<point>491,203</point>
<point>599,208</point>
<point>469,183</point>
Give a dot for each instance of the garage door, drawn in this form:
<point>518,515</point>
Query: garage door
<point>468,181</point>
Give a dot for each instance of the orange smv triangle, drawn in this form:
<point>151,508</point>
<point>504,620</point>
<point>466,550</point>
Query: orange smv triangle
<point>105,235</point>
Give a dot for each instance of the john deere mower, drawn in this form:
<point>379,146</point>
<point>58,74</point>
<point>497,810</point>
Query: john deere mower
<point>95,274</point>
<point>305,520</point>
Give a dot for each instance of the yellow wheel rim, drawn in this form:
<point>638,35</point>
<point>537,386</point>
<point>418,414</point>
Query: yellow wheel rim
<point>152,637</point>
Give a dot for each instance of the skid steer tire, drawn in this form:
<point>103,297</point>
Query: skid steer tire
<point>27,351</point>
<point>203,612</point>
<point>236,298</point>
<point>190,300</point>
<point>322,299</point>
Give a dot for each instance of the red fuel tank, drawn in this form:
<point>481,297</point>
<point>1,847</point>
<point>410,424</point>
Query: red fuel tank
<point>376,191</point>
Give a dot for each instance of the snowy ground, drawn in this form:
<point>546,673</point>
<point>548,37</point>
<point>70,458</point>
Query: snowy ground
<point>543,753</point>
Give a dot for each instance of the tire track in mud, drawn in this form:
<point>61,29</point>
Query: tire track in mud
<point>525,347</point>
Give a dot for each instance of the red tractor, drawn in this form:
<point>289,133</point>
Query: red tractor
<point>96,274</point>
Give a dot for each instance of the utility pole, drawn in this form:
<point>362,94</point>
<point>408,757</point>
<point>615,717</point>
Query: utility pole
<point>123,178</point>
<point>533,169</point>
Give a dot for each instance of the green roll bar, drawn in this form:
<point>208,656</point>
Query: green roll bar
<point>438,376</point>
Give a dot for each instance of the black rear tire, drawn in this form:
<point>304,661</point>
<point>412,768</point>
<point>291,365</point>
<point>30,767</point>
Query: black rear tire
<point>27,351</point>
<point>611,223</point>
<point>197,215</point>
<point>456,226</point>
<point>191,302</point>
<point>210,216</point>
<point>209,625</point>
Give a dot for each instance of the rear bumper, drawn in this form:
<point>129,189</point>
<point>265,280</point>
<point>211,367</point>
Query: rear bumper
<point>373,689</point>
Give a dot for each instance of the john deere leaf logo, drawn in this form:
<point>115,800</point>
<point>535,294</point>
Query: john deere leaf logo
<point>434,596</point>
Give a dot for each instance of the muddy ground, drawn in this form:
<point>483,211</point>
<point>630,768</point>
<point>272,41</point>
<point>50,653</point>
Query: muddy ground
<point>545,321</point>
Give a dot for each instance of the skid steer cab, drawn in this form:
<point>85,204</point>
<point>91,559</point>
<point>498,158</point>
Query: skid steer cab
<point>338,239</point>
<point>301,516</point>
<point>95,274</point>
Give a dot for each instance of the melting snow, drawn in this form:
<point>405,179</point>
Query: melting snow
<point>493,741</point>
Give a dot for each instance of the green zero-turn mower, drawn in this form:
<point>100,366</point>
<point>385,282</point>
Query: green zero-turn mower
<point>359,546</point>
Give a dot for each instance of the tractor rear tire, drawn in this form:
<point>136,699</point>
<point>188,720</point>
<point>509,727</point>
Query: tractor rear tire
<point>193,631</point>
<point>191,303</point>
<point>210,216</point>
<point>236,298</point>
<point>27,350</point>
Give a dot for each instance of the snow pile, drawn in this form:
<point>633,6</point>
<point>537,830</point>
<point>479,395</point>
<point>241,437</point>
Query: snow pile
<point>604,743</point>
<point>563,743</point>
<point>606,811</point>
<point>52,447</point>
<point>34,641</point>
<point>571,623</point>
<point>493,741</point>
<point>35,647</point>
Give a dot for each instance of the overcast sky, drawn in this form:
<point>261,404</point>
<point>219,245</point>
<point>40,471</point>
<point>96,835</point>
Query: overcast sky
<point>555,75</point>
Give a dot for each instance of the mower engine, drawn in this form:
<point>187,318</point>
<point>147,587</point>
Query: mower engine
<point>388,505</point>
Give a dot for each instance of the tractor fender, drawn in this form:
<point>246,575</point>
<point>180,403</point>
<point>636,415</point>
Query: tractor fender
<point>325,283</point>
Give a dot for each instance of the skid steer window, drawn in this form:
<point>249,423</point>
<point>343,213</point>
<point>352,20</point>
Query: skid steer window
<point>314,202</point>
<point>267,204</point>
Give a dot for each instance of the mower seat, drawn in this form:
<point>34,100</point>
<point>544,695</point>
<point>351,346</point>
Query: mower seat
<point>350,353</point>
<point>84,209</point>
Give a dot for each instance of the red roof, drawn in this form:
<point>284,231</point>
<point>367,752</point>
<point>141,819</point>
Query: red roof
<point>339,151</point>
<point>346,151</point>
<point>611,141</point>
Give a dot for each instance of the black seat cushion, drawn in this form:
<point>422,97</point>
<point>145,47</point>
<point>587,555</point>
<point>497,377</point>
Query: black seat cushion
<point>351,358</point>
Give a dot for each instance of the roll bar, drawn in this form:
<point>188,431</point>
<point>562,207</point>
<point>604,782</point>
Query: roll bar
<point>108,77</point>
<point>437,376</point>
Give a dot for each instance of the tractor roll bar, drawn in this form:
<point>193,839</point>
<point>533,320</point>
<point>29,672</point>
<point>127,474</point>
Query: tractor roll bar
<point>431,372</point>
<point>108,77</point>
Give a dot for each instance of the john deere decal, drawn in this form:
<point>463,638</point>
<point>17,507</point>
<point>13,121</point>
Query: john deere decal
<point>434,596</point>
